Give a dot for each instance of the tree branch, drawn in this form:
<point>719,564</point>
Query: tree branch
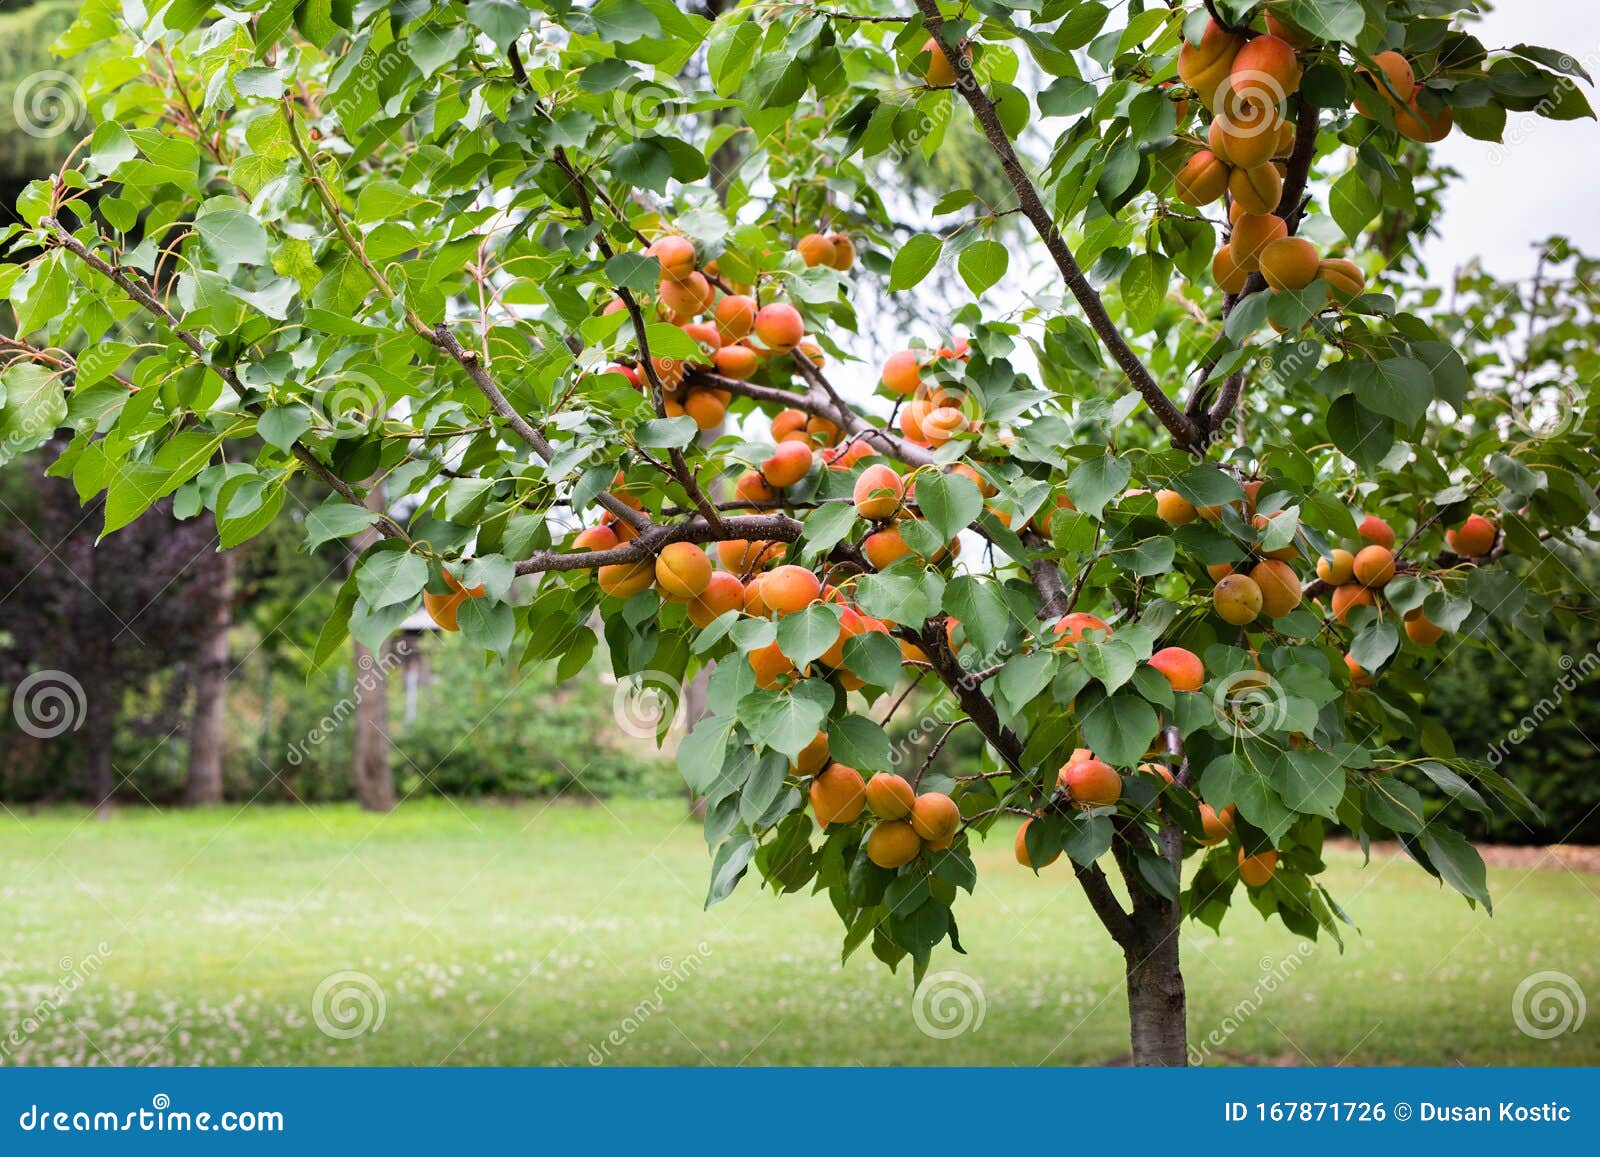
<point>1184,434</point>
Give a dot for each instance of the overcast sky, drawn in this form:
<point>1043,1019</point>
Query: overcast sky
<point>1545,178</point>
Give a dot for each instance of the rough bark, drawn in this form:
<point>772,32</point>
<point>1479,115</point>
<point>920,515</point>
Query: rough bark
<point>1157,1010</point>
<point>208,721</point>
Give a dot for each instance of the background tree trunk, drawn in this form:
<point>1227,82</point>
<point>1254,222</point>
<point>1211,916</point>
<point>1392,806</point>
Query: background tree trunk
<point>208,722</point>
<point>369,749</point>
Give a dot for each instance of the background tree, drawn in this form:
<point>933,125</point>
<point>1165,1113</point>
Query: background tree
<point>436,245</point>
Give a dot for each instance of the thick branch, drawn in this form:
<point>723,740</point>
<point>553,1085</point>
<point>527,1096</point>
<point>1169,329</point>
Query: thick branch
<point>755,528</point>
<point>1184,434</point>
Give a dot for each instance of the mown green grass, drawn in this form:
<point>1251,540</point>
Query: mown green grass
<point>531,934</point>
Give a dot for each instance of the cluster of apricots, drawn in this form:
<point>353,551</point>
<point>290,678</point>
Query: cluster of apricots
<point>1244,83</point>
<point>1400,90</point>
<point>932,415</point>
<point>736,334</point>
<point>1265,585</point>
<point>906,823</point>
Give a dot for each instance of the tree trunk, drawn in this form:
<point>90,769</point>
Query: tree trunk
<point>100,730</point>
<point>208,722</point>
<point>1157,1011</point>
<point>369,749</point>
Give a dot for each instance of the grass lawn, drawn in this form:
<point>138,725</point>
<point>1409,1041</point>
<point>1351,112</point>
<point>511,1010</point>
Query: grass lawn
<point>530,935</point>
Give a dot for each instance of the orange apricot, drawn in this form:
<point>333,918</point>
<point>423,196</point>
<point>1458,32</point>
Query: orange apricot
<point>1279,586</point>
<point>676,255</point>
<point>844,252</point>
<point>1345,279</point>
<point>1070,628</point>
<point>1376,530</point>
<point>596,538</point>
<point>1174,509</point>
<point>1420,630</point>
<point>682,571</point>
<point>769,663</point>
<point>1474,538</point>
<point>1203,178</point>
<point>1182,667</point>
<point>623,580</point>
<point>1256,870</point>
<point>878,492</point>
<point>815,249</point>
<point>1204,67</point>
<point>738,362</point>
<point>889,796</point>
<point>723,593</point>
<point>790,588</point>
<point>893,844</point>
<point>1091,783</point>
<point>1289,263</point>
<point>1336,567</point>
<point>688,297</point>
<point>1251,236</point>
<point>837,795</point>
<point>935,816</point>
<point>735,316</point>
<point>442,609</point>
<point>1256,190</point>
<point>902,373</point>
<point>1374,566</point>
<point>1237,599</point>
<point>790,462</point>
<point>779,327</point>
<point>1021,849</point>
<point>1348,596</point>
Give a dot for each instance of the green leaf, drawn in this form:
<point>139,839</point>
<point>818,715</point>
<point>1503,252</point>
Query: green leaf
<point>32,404</point>
<point>1329,19</point>
<point>950,502</point>
<point>1352,203</point>
<point>233,237</point>
<point>981,265</point>
<point>336,519</point>
<point>979,606</point>
<point>786,721</point>
<point>1309,781</point>
<point>1457,862</point>
<point>386,577</point>
<point>858,742</point>
<point>1144,287</point>
<point>874,657</point>
<point>805,635</point>
<point>1096,482</point>
<point>488,623</point>
<point>502,21</point>
<point>667,433</point>
<point>728,867</point>
<point>634,271</point>
<point>1401,389</point>
<point>1118,728</point>
<point>916,260</point>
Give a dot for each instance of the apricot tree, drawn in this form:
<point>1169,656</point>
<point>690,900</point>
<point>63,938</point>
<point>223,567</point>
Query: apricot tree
<point>576,283</point>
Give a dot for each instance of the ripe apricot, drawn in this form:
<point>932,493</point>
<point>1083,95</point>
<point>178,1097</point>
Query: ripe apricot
<point>837,795</point>
<point>738,362</point>
<point>1256,190</point>
<point>815,249</point>
<point>682,571</point>
<point>884,548</point>
<point>706,336</point>
<point>442,609</point>
<point>789,589</point>
<point>779,327</point>
<point>769,663</point>
<point>595,538</point>
<point>1216,824</point>
<point>911,416</point>
<point>1219,571</point>
<point>1294,36</point>
<point>740,556</point>
<point>889,796</point>
<point>623,580</point>
<point>1204,67</point>
<point>1284,145</point>
<point>688,297</point>
<point>1474,538</point>
<point>1256,870</point>
<point>1070,628</point>
<point>1290,263</point>
<point>788,422</point>
<point>723,593</point>
<point>893,844</point>
<point>1279,585</point>
<point>1397,69</point>
<point>1022,849</point>
<point>1376,530</point>
<point>878,492</point>
<point>708,408</point>
<point>844,252</point>
<point>735,316</point>
<point>1344,278</point>
<point>1251,236</point>
<point>1420,631</point>
<point>1091,783</point>
<point>1245,135</point>
<point>1418,124</point>
<point>751,487</point>
<point>790,462</point>
<point>1173,508</point>
<point>1237,599</point>
<point>1358,674</point>
<point>1182,667</point>
<point>940,72</point>
<point>1265,71</point>
<point>1337,567</point>
<point>1203,178</point>
<point>754,604</point>
<point>1374,566</point>
<point>1349,596</point>
<point>813,756</point>
<point>902,372</point>
<point>935,816</point>
<point>676,255</point>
